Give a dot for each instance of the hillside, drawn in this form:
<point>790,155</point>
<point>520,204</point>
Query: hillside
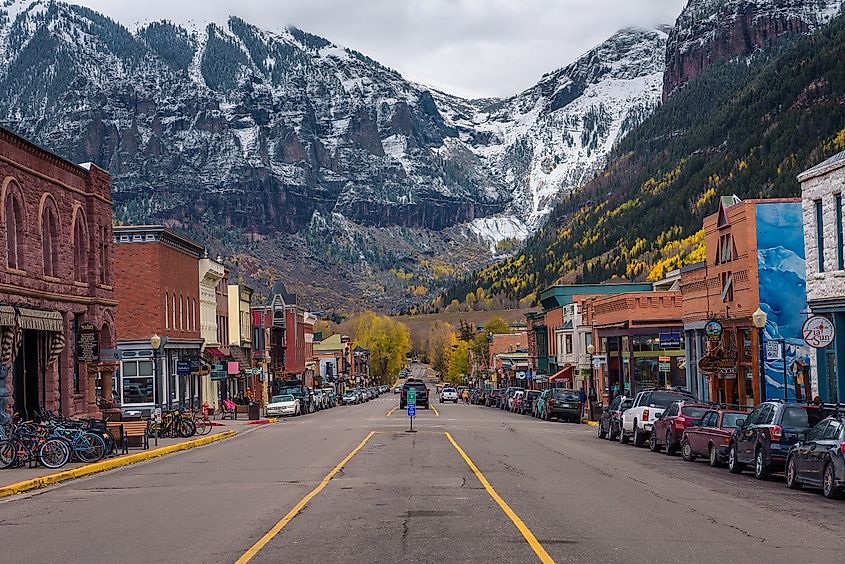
<point>745,127</point>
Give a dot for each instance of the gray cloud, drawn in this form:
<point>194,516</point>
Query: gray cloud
<point>464,47</point>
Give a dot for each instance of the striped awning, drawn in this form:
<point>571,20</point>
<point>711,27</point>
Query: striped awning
<point>40,320</point>
<point>7,316</point>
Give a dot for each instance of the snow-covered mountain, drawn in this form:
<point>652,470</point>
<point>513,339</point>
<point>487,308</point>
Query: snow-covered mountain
<point>254,135</point>
<point>709,31</point>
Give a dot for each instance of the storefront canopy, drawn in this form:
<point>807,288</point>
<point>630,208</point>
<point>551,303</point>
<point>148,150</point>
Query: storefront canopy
<point>215,352</point>
<point>39,320</point>
<point>563,374</point>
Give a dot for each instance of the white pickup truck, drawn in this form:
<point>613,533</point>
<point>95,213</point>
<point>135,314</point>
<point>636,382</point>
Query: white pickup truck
<point>648,405</point>
<point>449,394</point>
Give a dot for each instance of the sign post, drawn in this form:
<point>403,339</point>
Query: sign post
<point>412,408</point>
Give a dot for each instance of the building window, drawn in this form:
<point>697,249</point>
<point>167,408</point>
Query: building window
<point>80,252</point>
<point>105,270</point>
<point>137,381</point>
<point>14,233</point>
<point>727,287</point>
<point>820,233</point>
<point>166,313</point>
<point>840,251</point>
<point>726,251</point>
<point>49,241</point>
<point>173,305</point>
<point>181,313</point>
<point>569,344</point>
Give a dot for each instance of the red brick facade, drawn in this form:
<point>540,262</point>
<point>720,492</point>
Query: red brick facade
<point>55,258</point>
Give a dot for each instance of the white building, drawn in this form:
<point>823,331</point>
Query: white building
<point>822,190</point>
<point>572,339</point>
<point>211,272</point>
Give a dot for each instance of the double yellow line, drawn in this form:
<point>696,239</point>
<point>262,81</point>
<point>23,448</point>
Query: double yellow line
<point>434,409</point>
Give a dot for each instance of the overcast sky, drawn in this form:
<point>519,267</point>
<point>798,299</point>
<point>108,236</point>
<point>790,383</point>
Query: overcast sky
<point>471,48</point>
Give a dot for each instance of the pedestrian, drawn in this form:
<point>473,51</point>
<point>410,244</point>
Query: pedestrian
<point>582,398</point>
<point>466,396</point>
<point>248,396</point>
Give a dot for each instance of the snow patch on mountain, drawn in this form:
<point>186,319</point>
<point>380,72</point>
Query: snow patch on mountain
<point>494,230</point>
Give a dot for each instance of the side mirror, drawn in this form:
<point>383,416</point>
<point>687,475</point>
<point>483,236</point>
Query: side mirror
<point>740,423</point>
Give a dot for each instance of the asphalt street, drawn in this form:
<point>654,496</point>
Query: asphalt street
<point>264,496</point>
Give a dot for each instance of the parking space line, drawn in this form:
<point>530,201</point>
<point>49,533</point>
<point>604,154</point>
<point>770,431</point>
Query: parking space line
<point>526,532</point>
<point>254,549</point>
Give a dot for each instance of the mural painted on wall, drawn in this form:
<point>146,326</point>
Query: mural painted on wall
<point>783,296</point>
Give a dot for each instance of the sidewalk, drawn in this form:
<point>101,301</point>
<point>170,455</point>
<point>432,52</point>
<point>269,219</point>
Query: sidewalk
<point>18,480</point>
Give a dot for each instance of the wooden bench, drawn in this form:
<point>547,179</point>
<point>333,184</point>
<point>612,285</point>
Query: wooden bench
<point>129,430</point>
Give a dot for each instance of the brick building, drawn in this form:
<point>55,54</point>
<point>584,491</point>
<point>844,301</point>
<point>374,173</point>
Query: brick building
<point>822,189</point>
<point>55,276</point>
<point>156,283</point>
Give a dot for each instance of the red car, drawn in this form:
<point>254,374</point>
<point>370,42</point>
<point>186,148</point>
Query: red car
<point>670,426</point>
<point>712,437</point>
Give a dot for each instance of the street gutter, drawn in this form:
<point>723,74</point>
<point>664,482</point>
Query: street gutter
<point>111,464</point>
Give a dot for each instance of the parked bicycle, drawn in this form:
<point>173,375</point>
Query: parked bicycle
<point>26,443</point>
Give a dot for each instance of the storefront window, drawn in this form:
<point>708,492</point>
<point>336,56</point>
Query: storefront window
<point>137,381</point>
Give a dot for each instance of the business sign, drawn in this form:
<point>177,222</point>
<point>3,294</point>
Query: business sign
<point>87,342</point>
<point>183,367</point>
<point>728,373</point>
<point>818,332</point>
<point>713,330</point>
<point>670,340</point>
<point>774,350</point>
<point>664,363</point>
<point>412,410</point>
<point>711,363</point>
<point>218,374</point>
<point>110,354</point>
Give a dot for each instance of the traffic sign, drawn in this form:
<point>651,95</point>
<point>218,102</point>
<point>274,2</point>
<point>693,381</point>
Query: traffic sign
<point>412,410</point>
<point>256,372</point>
<point>412,396</point>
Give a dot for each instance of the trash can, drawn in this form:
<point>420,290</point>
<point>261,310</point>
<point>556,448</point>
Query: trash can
<point>254,411</point>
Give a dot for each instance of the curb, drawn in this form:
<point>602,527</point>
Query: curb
<point>102,466</point>
<point>262,421</point>
<point>592,423</point>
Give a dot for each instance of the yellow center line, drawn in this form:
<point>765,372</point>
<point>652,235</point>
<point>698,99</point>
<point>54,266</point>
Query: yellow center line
<point>389,413</point>
<point>253,550</point>
<point>526,532</point>
<point>434,409</point>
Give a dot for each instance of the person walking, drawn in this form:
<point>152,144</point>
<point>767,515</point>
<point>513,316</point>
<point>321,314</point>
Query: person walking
<point>466,397</point>
<point>582,399</point>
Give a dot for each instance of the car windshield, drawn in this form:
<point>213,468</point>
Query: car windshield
<point>282,398</point>
<point>664,399</point>
<point>694,412</point>
<point>291,391</point>
<point>626,404</point>
<point>800,416</point>
<point>729,419</point>
<point>566,395</point>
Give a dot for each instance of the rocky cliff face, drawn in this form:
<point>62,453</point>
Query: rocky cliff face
<point>709,31</point>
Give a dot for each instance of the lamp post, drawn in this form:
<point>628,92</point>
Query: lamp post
<point>759,319</point>
<point>591,385</point>
<point>155,344</point>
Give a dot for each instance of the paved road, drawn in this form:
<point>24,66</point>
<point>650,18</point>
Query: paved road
<point>406,497</point>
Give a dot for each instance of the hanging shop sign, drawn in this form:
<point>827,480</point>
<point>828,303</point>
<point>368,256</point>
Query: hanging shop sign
<point>818,332</point>
<point>713,330</point>
<point>711,363</point>
<point>87,342</point>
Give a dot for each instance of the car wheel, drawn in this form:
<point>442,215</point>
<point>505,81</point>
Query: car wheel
<point>601,433</point>
<point>734,465</point>
<point>713,456</point>
<point>639,439</point>
<point>791,475</point>
<point>829,488</point>
<point>686,451</point>
<point>670,444</point>
<point>761,469</point>
<point>623,438</point>
<point>652,443</point>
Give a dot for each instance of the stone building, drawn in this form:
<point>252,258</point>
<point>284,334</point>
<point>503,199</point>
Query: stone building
<point>821,201</point>
<point>212,278</point>
<point>55,277</point>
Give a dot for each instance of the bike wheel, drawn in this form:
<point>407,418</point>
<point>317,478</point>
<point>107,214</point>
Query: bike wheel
<point>53,453</point>
<point>89,448</point>
<point>186,428</point>
<point>203,426</point>
<point>8,453</point>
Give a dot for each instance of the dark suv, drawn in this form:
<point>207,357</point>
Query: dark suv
<point>422,393</point>
<point>765,437</point>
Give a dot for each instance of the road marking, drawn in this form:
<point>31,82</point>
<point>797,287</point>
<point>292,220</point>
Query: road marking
<point>526,532</point>
<point>253,550</point>
<point>389,413</point>
<point>434,409</point>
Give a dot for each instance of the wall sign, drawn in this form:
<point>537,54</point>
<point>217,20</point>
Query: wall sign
<point>818,332</point>
<point>713,330</point>
<point>87,342</point>
<point>670,340</point>
<point>774,350</point>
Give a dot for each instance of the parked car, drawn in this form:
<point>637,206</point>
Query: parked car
<point>284,404</point>
<point>448,394</point>
<point>349,398</point>
<point>638,421</point>
<point>527,403</point>
<point>712,437</point>
<point>513,401</point>
<point>422,393</point>
<point>767,434</point>
<point>397,389</point>
<point>504,399</point>
<point>818,458</point>
<point>611,417</point>
<point>560,403</point>
<point>669,427</point>
<point>492,398</point>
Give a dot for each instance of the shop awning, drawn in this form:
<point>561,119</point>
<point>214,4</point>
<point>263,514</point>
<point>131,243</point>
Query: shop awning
<point>563,374</point>
<point>40,320</point>
<point>215,352</point>
<point>7,316</point>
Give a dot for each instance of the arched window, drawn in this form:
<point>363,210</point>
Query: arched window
<point>50,241</point>
<point>80,249</point>
<point>15,235</point>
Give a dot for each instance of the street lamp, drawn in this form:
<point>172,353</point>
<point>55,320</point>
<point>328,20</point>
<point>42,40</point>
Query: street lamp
<point>155,344</point>
<point>759,319</point>
<point>591,350</point>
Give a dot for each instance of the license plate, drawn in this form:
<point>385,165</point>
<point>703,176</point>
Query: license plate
<point>565,405</point>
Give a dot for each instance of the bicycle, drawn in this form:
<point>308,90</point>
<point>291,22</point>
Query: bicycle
<point>24,446</point>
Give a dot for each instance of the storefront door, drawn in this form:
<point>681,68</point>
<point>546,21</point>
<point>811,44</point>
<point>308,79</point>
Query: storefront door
<point>27,376</point>
<point>833,391</point>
